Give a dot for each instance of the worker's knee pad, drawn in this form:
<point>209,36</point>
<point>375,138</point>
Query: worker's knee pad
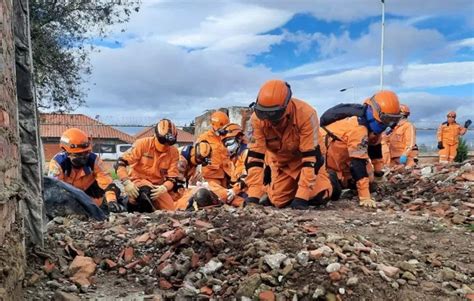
<point>204,198</point>
<point>358,168</point>
<point>336,186</point>
<point>322,198</point>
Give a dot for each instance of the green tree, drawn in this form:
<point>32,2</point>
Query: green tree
<point>462,151</point>
<point>62,35</point>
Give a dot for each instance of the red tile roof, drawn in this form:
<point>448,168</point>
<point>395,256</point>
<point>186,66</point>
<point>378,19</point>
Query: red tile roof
<point>183,137</point>
<point>53,125</point>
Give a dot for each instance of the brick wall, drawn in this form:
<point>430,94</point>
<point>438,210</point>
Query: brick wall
<point>11,232</point>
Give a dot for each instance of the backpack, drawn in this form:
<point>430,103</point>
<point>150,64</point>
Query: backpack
<point>341,111</point>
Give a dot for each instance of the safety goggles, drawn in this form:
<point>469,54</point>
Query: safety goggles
<point>451,116</point>
<point>386,119</point>
<point>168,139</point>
<point>78,146</point>
<point>222,132</point>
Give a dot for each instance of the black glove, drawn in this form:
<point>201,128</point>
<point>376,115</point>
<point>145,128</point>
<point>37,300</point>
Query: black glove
<point>440,145</point>
<point>251,200</point>
<point>299,204</point>
<point>115,207</point>
<point>467,123</point>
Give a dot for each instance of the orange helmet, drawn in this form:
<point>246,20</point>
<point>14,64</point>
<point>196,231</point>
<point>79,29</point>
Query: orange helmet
<point>218,120</point>
<point>231,130</point>
<point>272,100</point>
<point>200,153</point>
<point>452,114</point>
<point>75,141</point>
<point>385,107</point>
<point>404,110</point>
<point>166,132</point>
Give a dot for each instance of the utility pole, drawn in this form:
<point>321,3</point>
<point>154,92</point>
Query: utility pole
<point>382,45</point>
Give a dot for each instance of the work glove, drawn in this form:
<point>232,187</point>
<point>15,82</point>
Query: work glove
<point>403,159</point>
<point>267,175</point>
<point>440,145</point>
<point>467,123</point>
<point>299,204</point>
<point>251,201</point>
<point>130,189</point>
<point>366,202</point>
<point>230,195</point>
<point>115,207</point>
<point>158,190</point>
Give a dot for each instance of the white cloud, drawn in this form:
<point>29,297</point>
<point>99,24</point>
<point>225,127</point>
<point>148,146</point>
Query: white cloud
<point>155,76</point>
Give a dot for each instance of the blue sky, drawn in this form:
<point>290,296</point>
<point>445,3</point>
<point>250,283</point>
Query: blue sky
<point>178,58</point>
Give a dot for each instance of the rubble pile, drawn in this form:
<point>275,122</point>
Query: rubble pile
<point>440,190</point>
<point>224,253</point>
<point>340,252</point>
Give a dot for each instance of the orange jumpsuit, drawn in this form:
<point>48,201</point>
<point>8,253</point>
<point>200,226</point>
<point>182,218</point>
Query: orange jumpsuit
<point>449,134</point>
<point>386,149</point>
<point>403,142</point>
<point>220,168</point>
<point>60,168</point>
<point>151,163</point>
<point>289,148</point>
<point>352,143</point>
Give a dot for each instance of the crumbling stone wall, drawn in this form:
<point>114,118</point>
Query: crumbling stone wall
<point>12,257</point>
<point>30,150</point>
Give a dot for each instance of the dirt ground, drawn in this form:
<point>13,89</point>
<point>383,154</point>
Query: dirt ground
<point>415,247</point>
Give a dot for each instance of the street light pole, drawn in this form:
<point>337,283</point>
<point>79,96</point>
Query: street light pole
<point>382,44</point>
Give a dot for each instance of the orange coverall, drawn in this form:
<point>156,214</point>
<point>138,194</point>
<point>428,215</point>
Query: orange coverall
<point>151,163</point>
<point>386,149</point>
<point>289,148</point>
<point>403,142</point>
<point>449,134</point>
<point>83,178</point>
<point>220,168</point>
<point>352,143</point>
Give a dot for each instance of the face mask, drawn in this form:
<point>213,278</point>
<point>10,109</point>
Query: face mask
<point>79,161</point>
<point>374,126</point>
<point>232,149</point>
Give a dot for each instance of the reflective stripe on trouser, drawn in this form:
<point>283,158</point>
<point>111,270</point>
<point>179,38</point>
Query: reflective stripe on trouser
<point>283,187</point>
<point>448,153</point>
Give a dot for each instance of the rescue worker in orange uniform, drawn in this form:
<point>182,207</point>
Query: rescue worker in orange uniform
<point>403,148</point>
<point>199,197</point>
<point>219,170</point>
<point>79,166</point>
<point>448,137</point>
<point>351,136</point>
<point>191,156</point>
<point>286,130</point>
<point>153,170</point>
<point>233,139</point>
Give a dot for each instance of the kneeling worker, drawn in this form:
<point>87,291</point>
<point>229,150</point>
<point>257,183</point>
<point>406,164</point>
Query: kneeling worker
<point>79,166</point>
<point>153,170</point>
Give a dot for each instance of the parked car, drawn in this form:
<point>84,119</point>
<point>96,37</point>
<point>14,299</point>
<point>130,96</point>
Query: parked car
<point>110,151</point>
